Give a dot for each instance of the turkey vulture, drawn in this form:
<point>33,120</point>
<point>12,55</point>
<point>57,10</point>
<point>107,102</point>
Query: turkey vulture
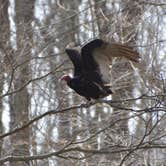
<point>92,67</point>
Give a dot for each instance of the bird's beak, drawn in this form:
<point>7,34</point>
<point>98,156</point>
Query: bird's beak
<point>64,78</point>
<point>60,80</point>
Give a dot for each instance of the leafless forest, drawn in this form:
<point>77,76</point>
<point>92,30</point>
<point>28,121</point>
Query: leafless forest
<point>44,123</point>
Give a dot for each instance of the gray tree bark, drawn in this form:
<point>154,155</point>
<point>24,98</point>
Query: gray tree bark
<point>19,102</point>
<point>4,46</point>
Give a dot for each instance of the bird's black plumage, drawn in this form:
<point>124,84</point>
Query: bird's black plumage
<point>75,57</point>
<point>92,67</point>
<point>88,61</point>
<point>85,87</point>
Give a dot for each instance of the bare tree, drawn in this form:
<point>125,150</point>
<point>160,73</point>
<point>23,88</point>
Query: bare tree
<point>19,102</point>
<point>52,125</point>
<point>4,50</point>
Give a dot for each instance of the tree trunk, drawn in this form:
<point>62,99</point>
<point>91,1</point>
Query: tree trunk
<point>19,102</point>
<point>4,46</point>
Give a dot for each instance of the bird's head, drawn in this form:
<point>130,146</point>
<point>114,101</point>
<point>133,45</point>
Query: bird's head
<point>65,78</point>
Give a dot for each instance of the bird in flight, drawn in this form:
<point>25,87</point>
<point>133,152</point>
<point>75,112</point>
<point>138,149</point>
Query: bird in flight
<point>91,78</point>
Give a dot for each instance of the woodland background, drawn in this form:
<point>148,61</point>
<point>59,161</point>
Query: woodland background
<point>44,123</point>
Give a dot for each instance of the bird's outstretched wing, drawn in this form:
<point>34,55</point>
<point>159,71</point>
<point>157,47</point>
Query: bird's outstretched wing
<point>75,57</point>
<point>97,56</point>
<point>119,50</point>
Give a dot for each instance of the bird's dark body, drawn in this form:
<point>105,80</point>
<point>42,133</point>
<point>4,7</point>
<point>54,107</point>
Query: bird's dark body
<point>87,88</point>
<point>91,67</point>
<point>87,79</point>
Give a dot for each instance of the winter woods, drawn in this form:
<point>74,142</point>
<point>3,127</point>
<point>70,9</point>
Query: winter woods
<point>45,123</point>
